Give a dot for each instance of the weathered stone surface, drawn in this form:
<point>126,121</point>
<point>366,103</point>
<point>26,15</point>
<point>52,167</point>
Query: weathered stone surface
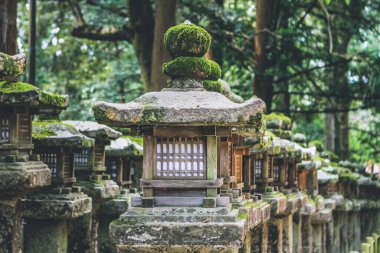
<point>322,216</point>
<point>114,206</point>
<point>95,130</point>
<point>124,146</point>
<point>59,134</point>
<point>197,108</point>
<point>145,227</point>
<point>56,206</point>
<point>277,202</point>
<point>101,189</point>
<point>21,177</point>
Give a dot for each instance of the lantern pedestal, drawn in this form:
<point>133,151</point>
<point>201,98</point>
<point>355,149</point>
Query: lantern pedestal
<point>180,227</point>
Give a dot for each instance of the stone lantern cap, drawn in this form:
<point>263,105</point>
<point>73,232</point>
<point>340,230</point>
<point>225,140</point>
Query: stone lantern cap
<point>14,92</point>
<point>180,108</point>
<point>55,133</point>
<point>188,100</point>
<point>95,130</point>
<point>124,146</point>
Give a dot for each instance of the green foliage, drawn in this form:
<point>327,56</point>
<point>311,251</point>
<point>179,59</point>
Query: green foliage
<point>187,40</point>
<point>192,67</point>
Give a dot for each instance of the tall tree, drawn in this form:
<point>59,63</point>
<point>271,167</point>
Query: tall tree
<point>263,83</point>
<point>165,18</point>
<point>139,30</point>
<point>8,26</point>
<point>341,26</point>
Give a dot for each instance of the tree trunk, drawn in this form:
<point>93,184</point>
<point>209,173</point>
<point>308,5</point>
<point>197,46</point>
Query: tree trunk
<point>141,18</point>
<point>8,27</point>
<point>342,30</point>
<point>263,83</point>
<point>165,18</point>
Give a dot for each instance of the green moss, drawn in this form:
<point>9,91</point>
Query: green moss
<point>213,86</point>
<point>15,87</point>
<point>151,115</point>
<point>138,140</point>
<point>12,68</point>
<point>100,114</point>
<point>330,155</point>
<point>187,40</point>
<point>216,72</point>
<point>317,144</point>
<point>243,216</point>
<point>277,121</point>
<point>53,99</point>
<point>191,67</point>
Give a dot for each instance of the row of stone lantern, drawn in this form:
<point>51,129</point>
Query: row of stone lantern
<point>52,172</point>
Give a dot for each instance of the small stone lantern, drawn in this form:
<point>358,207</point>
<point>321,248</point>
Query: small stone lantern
<point>90,163</point>
<point>20,171</point>
<point>124,160</point>
<point>182,126</point>
<point>56,143</point>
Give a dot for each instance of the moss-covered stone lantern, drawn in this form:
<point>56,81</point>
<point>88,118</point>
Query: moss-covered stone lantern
<point>20,170</point>
<point>124,161</point>
<point>182,126</point>
<point>47,212</point>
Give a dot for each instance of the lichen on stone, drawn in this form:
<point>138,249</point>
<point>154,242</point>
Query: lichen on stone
<point>187,40</point>
<point>11,67</point>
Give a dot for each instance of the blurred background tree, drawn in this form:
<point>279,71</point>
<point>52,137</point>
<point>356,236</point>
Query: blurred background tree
<point>316,61</point>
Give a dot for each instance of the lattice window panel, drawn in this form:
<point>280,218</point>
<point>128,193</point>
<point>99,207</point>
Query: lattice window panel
<point>181,158</point>
<point>276,169</point>
<point>51,160</point>
<point>258,168</point>
<point>24,128</point>
<point>82,160</point>
<point>4,130</point>
<point>112,168</point>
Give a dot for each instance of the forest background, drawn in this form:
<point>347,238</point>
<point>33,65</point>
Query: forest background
<point>317,61</point>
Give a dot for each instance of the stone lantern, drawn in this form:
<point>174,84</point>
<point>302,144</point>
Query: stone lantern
<point>90,170</point>
<point>20,171</point>
<point>124,161</point>
<point>182,126</point>
<point>47,212</point>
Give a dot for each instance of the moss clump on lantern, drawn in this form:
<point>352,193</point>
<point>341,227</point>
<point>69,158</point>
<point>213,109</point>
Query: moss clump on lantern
<point>15,87</point>
<point>278,121</point>
<point>192,67</point>
<point>187,40</point>
<point>317,144</point>
<point>211,85</point>
<point>216,72</point>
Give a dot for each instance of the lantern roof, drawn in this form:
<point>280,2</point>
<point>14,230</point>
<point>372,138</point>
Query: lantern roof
<point>125,145</point>
<point>55,133</point>
<point>14,92</point>
<point>194,96</point>
<point>95,130</point>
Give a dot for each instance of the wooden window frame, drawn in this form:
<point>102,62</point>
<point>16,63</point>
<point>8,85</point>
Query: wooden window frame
<point>182,142</point>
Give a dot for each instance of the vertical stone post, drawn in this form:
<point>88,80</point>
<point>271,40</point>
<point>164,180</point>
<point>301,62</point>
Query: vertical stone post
<point>288,234</point>
<point>10,227</point>
<point>275,243</point>
<point>259,238</point>
<point>307,234</point>
<point>297,233</point>
<point>45,236</point>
